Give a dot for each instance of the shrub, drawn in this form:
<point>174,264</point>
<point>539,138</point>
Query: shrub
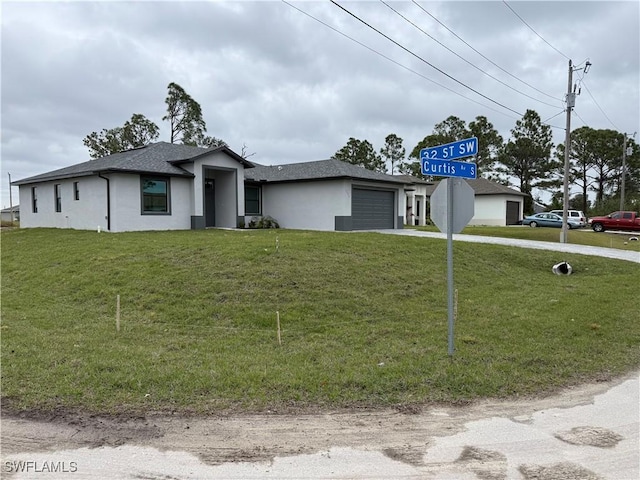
<point>263,222</point>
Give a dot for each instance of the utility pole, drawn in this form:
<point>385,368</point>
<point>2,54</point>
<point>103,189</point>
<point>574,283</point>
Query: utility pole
<point>10,200</point>
<point>571,102</point>
<point>623,173</point>
<point>625,151</point>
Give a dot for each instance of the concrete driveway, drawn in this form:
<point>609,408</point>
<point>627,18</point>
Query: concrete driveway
<point>557,247</point>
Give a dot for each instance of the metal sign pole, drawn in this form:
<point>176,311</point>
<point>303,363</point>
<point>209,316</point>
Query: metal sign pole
<point>450,260</point>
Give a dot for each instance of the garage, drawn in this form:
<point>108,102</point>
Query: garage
<point>372,208</point>
<point>513,213</point>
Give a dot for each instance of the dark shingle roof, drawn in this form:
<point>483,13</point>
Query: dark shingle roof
<point>160,158</point>
<point>482,186</point>
<point>317,170</point>
<point>412,179</point>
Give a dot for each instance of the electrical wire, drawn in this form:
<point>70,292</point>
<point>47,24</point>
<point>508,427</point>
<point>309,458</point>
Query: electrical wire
<point>551,118</point>
<point>577,115</point>
<point>482,55</point>
<point>462,58</point>
<point>397,63</point>
<point>531,28</point>
<point>424,61</point>
<point>409,69</point>
<point>598,105</point>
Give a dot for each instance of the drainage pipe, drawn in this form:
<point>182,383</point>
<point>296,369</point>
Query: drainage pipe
<point>108,202</point>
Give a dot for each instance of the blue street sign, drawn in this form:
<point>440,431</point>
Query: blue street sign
<point>448,168</point>
<point>451,151</point>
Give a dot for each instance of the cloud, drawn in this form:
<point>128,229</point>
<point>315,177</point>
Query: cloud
<point>292,89</point>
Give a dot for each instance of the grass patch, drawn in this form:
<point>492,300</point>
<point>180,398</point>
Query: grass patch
<point>578,237</point>
<point>364,320</point>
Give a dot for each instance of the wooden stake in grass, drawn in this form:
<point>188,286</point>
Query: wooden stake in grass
<point>278,323</point>
<point>118,313</point>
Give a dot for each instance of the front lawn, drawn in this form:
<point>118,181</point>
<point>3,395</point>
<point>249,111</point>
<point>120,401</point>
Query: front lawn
<point>363,321</point>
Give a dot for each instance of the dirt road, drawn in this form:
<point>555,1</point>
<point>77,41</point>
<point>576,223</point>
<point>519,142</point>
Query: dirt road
<point>528,439</point>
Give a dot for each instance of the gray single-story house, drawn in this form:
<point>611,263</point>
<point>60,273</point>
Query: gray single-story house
<point>10,214</point>
<point>165,186</point>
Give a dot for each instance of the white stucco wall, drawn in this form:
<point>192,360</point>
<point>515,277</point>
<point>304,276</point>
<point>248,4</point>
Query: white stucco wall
<point>307,205</point>
<point>87,213</point>
<point>492,209</point>
<point>126,212</point>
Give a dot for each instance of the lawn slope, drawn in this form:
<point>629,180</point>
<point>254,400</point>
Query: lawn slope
<point>363,320</point>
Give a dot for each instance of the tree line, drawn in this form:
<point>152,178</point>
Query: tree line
<point>529,156</point>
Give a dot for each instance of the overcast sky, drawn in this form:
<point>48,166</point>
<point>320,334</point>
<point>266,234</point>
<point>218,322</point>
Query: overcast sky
<point>293,89</point>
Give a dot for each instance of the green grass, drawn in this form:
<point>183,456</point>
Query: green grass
<point>363,318</point>
<point>577,237</point>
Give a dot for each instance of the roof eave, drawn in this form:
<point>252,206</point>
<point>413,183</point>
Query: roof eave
<point>91,173</point>
<point>312,179</point>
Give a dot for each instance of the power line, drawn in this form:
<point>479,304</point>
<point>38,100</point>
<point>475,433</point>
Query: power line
<point>395,62</point>
<point>577,115</point>
<point>597,104</point>
<point>462,58</point>
<point>425,61</point>
<point>551,118</point>
<point>407,68</point>
<point>531,28</point>
<point>482,55</point>
<point>486,58</point>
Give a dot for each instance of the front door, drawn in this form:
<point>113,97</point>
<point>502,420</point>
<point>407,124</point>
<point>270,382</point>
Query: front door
<point>210,203</point>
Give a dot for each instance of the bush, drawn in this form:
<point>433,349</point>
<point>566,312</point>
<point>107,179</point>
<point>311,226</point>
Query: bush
<point>263,222</point>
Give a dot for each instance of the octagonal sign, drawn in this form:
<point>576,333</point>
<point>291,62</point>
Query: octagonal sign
<point>463,205</point>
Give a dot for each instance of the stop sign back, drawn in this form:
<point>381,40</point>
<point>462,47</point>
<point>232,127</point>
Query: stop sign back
<point>463,205</point>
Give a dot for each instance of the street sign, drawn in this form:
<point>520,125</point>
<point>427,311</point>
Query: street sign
<point>451,151</point>
<point>463,205</point>
<point>448,168</point>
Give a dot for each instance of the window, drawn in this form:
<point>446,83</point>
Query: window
<point>76,191</point>
<point>155,195</point>
<point>58,195</point>
<point>252,200</point>
<point>34,200</point>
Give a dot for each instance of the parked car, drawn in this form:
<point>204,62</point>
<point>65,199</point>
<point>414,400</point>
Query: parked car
<point>548,219</point>
<point>575,216</point>
<point>616,221</point>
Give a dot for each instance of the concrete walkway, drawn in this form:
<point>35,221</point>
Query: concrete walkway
<point>513,242</point>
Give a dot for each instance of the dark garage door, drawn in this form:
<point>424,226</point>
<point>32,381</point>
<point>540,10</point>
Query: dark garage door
<point>513,213</point>
<point>372,209</point>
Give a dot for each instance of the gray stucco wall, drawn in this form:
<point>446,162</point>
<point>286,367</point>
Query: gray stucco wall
<point>126,212</point>
<point>307,205</point>
<point>87,213</point>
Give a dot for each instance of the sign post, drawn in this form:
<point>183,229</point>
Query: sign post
<point>453,196</point>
